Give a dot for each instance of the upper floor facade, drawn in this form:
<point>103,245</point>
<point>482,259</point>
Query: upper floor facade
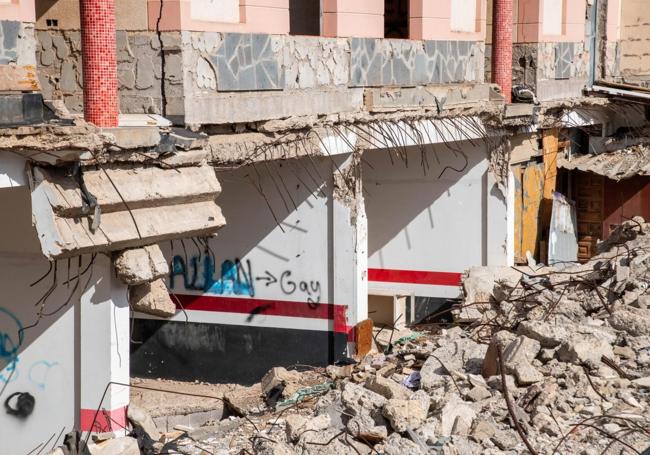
<point>232,61</point>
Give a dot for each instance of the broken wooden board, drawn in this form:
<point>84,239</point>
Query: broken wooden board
<point>532,194</point>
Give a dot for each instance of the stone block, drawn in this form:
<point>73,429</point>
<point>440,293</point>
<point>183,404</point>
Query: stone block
<point>152,298</point>
<point>140,265</point>
<point>199,419</point>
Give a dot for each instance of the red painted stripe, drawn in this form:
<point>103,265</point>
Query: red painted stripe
<point>414,277</point>
<point>105,421</point>
<point>335,313</point>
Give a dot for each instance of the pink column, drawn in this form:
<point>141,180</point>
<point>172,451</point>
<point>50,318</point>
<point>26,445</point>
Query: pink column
<point>99,55</point>
<point>502,46</point>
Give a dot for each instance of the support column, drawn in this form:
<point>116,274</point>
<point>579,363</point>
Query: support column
<point>350,247</point>
<point>99,56</point>
<point>103,351</point>
<point>502,46</point>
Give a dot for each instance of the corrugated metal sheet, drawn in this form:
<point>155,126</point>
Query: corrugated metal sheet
<point>563,237</point>
<point>618,165</point>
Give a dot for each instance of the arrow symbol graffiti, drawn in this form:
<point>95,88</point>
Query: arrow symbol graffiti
<point>269,278</point>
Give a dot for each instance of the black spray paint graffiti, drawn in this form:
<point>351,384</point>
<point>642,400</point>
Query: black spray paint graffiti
<point>289,287</point>
<point>236,278</point>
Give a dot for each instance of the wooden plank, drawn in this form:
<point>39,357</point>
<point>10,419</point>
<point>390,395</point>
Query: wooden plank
<point>588,190</point>
<point>363,337</point>
<point>533,188</point>
<point>518,174</point>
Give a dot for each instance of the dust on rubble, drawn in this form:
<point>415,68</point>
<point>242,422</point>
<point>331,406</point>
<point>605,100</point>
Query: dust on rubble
<point>551,360</point>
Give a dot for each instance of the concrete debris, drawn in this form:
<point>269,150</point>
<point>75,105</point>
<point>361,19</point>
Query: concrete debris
<point>280,376</point>
<point>118,446</point>
<point>567,355</point>
<point>364,427</point>
<point>141,265</point>
<point>296,425</point>
<point>152,298</point>
<point>141,418</point>
<point>407,414</point>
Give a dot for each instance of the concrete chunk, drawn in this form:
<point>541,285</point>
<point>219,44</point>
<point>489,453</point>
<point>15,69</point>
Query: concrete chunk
<point>141,265</point>
<point>152,298</point>
<point>119,446</point>
<point>141,418</point>
<point>582,349</point>
<point>276,376</point>
<point>387,388</point>
<point>407,414</point>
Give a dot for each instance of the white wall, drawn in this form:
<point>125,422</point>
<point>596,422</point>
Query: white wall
<point>289,262</point>
<point>431,222</point>
<point>42,360</point>
<point>62,366</point>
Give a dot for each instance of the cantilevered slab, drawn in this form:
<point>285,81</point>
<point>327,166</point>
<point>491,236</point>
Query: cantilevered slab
<point>137,206</point>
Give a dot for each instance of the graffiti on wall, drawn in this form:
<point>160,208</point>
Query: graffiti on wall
<point>11,339</point>
<point>311,289</point>
<point>236,277</point>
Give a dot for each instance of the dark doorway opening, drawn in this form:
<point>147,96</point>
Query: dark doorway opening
<point>304,17</point>
<point>396,19</point>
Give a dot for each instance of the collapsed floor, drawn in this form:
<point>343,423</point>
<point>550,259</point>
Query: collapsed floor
<point>547,360</point>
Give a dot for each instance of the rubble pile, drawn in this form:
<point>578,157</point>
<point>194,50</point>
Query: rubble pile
<point>548,361</point>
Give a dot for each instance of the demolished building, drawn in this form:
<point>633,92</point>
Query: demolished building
<point>204,190</point>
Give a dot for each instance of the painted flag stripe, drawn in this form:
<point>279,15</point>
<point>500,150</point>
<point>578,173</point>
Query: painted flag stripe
<point>103,421</point>
<point>335,313</point>
<point>414,277</point>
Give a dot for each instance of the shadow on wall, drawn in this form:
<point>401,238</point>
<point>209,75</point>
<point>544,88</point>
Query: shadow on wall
<point>37,332</point>
<point>255,266</point>
<point>396,192</point>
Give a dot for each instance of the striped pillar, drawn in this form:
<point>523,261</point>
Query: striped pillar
<point>99,55</point>
<point>502,46</point>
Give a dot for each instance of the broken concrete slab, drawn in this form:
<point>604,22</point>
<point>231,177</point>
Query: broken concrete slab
<point>397,445</point>
<point>634,321</point>
<point>118,446</point>
<point>276,376</point>
<point>407,414</point>
<point>141,418</point>
<point>584,349</point>
<point>140,265</point>
<point>455,409</point>
<point>133,137</point>
<point>296,425</point>
<point>387,388</point>
<point>548,334</point>
<point>152,298</point>
<point>117,188</point>
<point>134,207</point>
<point>365,428</point>
<point>490,366</point>
<point>358,399</point>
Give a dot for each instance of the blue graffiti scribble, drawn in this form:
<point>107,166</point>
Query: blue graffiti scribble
<point>38,372</point>
<point>9,345</point>
<point>235,277</point>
